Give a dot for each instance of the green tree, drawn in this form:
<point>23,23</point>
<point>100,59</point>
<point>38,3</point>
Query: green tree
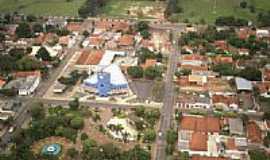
<point>23,31</point>
<point>171,136</point>
<point>135,71</point>
<point>258,155</point>
<point>72,153</point>
<point>84,136</point>
<point>43,54</point>
<point>77,123</point>
<point>149,135</point>
<point>243,4</point>
<point>141,26</point>
<point>75,104</point>
<point>136,153</point>
<point>37,110</point>
<point>153,72</point>
<point>37,27</point>
<point>139,111</point>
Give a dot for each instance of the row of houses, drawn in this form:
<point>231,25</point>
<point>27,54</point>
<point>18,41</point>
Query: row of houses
<point>206,136</point>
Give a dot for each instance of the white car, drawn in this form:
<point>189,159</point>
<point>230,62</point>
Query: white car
<point>11,129</point>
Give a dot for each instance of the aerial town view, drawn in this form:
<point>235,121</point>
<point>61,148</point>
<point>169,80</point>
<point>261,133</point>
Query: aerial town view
<point>134,79</point>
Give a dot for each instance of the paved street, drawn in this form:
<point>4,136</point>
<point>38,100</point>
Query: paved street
<point>168,102</point>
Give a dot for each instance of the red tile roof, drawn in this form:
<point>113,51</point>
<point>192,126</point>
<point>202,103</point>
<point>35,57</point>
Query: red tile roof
<point>198,141</point>
<point>200,124</point>
<point>90,57</point>
<point>194,57</point>
<point>230,145</point>
<point>263,87</point>
<point>24,74</point>
<point>124,26</point>
<point>126,40</point>
<point>103,24</point>
<point>64,40</point>
<point>2,83</point>
<point>74,27</point>
<point>228,100</point>
<point>96,41</point>
<point>223,59</point>
<point>254,133</point>
<point>221,45</point>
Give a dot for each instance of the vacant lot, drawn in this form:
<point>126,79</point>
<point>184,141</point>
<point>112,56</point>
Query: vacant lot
<point>41,7</point>
<point>196,10</point>
<point>124,8</point>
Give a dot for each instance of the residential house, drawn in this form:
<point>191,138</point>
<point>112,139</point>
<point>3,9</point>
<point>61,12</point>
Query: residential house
<point>262,33</point>
<point>2,83</point>
<point>208,158</point>
<point>27,82</point>
<point>94,42</point>
<point>67,41</point>
<point>89,59</point>
<point>266,73</point>
<point>193,101</point>
<point>264,89</point>
<point>126,42</point>
<point>227,102</point>
<point>197,135</point>
<point>254,133</point>
<point>236,126</point>
<point>223,60</point>
<point>74,27</point>
<point>243,84</point>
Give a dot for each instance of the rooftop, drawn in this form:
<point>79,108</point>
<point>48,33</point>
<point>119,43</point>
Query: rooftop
<point>208,158</point>
<point>92,57</point>
<point>200,124</point>
<point>199,141</point>
<point>243,84</point>
<point>254,132</point>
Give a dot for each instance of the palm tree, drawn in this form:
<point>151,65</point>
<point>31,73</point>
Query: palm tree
<point>118,128</point>
<point>125,136</point>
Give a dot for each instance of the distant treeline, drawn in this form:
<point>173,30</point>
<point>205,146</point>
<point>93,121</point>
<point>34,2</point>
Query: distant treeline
<point>91,8</point>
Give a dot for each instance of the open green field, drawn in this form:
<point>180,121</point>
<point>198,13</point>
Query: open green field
<point>195,10</point>
<point>119,8</point>
<point>41,7</point>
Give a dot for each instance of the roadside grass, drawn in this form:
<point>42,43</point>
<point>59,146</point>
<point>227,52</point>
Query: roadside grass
<point>209,10</point>
<point>42,7</point>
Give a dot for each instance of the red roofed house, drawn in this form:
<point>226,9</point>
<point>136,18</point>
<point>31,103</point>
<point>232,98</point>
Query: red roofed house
<point>198,141</point>
<point>28,81</point>
<point>254,133</point>
<point>266,73</point>
<point>196,133</point>
<point>223,45</point>
<point>96,42</point>
<point>2,83</point>
<point>223,59</point>
<point>126,41</point>
<point>74,27</point>
<point>226,102</point>
<point>89,58</point>
<point>264,89</point>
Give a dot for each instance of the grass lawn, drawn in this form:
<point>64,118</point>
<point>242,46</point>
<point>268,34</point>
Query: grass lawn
<point>119,8</point>
<point>42,7</point>
<point>195,10</point>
